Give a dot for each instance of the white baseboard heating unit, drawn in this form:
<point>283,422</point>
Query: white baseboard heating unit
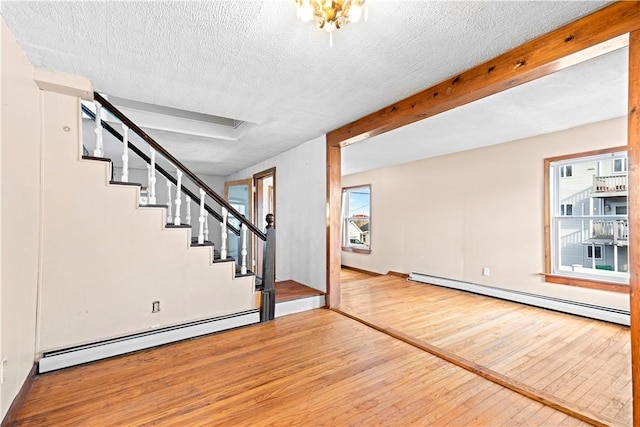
<point>607,314</point>
<point>114,347</point>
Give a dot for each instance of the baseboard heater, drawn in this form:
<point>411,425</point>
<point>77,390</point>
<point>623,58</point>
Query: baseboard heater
<point>607,314</point>
<point>72,356</point>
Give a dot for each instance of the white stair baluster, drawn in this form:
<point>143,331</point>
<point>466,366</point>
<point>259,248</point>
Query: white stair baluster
<point>201,218</point>
<point>243,268</point>
<point>125,153</point>
<point>176,218</point>
<point>187,217</point>
<point>169,204</point>
<point>206,226</point>
<point>223,227</point>
<point>152,177</point>
<point>98,150</point>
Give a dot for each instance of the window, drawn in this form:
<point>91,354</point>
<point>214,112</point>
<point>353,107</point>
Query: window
<point>587,238</point>
<point>620,165</point>
<point>356,219</point>
<point>591,249</point>
<point>566,209</point>
<point>566,171</point>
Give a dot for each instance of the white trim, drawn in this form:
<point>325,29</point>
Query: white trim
<point>299,305</point>
<point>586,310</point>
<point>89,353</point>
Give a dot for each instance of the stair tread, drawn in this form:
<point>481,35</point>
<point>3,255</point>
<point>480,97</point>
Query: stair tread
<point>152,206</point>
<point>125,183</point>
<point>99,159</point>
<point>178,226</point>
<point>202,244</point>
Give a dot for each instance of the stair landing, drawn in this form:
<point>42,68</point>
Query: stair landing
<point>293,297</point>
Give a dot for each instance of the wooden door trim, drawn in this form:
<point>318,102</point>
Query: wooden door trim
<point>633,153</point>
<point>256,177</point>
<point>578,41</point>
<point>263,174</point>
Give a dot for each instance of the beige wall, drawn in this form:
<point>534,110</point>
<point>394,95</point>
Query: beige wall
<point>80,262</point>
<point>450,216</point>
<point>216,183</point>
<point>20,215</point>
<point>105,260</point>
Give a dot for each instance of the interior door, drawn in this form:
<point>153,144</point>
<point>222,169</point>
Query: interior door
<point>265,203</point>
<point>239,195</point>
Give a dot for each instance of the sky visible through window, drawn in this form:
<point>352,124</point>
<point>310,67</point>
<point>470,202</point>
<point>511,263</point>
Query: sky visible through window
<point>359,202</point>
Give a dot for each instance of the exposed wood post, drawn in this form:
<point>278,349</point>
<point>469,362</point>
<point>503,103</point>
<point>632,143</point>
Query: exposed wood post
<point>600,32</point>
<point>125,153</point>
<point>633,132</point>
<point>176,217</point>
<point>98,150</point>
<point>334,201</point>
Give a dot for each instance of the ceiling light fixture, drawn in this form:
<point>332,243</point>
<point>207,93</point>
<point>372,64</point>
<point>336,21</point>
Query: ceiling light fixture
<point>332,14</point>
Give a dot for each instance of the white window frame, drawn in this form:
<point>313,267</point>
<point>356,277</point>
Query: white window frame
<point>347,245</point>
<point>558,171</point>
<point>624,165</point>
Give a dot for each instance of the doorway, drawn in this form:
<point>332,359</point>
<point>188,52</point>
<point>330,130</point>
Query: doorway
<point>238,194</point>
<point>265,203</point>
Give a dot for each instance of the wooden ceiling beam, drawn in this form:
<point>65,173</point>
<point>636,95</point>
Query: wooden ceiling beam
<point>602,31</point>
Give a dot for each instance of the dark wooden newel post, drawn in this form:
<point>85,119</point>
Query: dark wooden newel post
<point>268,306</point>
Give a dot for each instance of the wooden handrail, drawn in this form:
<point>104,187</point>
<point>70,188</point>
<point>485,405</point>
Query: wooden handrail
<point>194,178</point>
<point>160,169</point>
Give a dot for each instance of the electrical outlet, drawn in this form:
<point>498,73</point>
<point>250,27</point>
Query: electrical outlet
<point>3,370</point>
<point>155,306</point>
<point>485,271</point>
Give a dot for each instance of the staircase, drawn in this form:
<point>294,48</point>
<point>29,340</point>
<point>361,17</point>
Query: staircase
<point>122,272</point>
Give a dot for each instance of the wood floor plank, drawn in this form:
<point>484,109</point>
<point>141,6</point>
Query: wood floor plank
<point>581,361</point>
<point>312,368</point>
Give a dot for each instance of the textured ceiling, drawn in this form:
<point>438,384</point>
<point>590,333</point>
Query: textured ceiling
<point>253,61</point>
<point>589,92</point>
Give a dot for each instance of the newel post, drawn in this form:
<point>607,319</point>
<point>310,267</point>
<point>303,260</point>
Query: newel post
<point>268,306</point>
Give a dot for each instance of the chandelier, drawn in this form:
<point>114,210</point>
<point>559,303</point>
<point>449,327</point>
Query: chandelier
<point>331,14</point>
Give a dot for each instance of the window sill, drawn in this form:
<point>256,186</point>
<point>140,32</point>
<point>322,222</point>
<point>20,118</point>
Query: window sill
<point>587,283</point>
<point>356,250</point>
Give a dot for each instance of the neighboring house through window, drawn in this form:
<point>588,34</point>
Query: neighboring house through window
<point>587,232</point>
<point>356,219</point>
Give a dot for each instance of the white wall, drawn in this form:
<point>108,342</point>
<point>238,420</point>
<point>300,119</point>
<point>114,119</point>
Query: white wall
<point>450,216</point>
<point>300,211</point>
<point>20,215</point>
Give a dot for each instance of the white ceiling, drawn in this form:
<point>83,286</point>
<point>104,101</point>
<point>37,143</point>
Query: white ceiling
<point>253,61</point>
<point>589,92</point>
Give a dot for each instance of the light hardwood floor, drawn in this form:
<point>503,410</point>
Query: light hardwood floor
<point>583,363</point>
<point>308,369</point>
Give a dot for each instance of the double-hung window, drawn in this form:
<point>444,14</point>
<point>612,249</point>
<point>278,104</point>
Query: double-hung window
<point>588,234</point>
<point>356,219</point>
